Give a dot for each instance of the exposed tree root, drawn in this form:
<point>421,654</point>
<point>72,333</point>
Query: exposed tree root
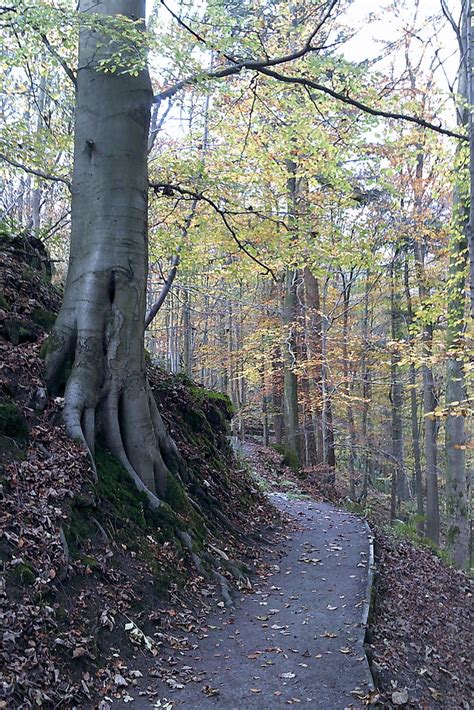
<point>212,569</point>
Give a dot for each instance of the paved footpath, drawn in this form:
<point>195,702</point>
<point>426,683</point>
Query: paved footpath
<point>297,641</point>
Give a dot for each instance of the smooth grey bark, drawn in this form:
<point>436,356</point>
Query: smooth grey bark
<point>399,474</point>
<point>313,340</point>
<point>329,447</point>
<point>366,394</point>
<point>187,335</point>
<point>277,396</point>
<point>457,499</point>
<point>415,429</point>
<point>99,332</point>
<point>429,404</point>
<point>346,294</point>
<point>467,68</point>
<point>36,193</point>
<point>306,381</point>
<point>152,312</point>
<point>429,393</point>
<point>290,378</point>
<point>289,314</point>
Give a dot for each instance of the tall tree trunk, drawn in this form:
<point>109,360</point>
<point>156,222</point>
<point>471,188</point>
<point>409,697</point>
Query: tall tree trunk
<point>289,315</point>
<point>466,90</point>
<point>457,500</point>
<point>429,405</point>
<point>99,332</point>
<point>327,420</point>
<point>36,192</point>
<point>396,387</point>
<point>314,351</point>
<point>290,379</point>
<point>277,396</point>
<point>415,429</point>
<point>347,288</point>
<point>308,440</point>
<point>366,393</point>
<point>187,334</point>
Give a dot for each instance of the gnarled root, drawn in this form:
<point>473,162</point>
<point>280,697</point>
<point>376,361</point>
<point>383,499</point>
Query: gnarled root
<point>107,392</point>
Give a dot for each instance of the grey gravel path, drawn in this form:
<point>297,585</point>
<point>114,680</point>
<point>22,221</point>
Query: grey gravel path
<point>298,641</point>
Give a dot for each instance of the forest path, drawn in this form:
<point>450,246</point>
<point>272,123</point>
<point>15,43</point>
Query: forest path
<point>298,639</point>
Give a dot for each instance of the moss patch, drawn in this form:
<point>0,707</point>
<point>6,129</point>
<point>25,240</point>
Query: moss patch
<point>12,423</point>
<point>290,459</point>
<point>176,496</point>
<point>17,332</point>
<point>43,318</point>
<point>24,574</point>
<point>115,485</point>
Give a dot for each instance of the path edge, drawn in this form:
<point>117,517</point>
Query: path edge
<point>369,600</point>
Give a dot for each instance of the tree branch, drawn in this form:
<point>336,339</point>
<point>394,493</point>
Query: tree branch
<point>262,66</point>
<point>236,65</point>
<point>33,171</point>
<point>169,190</point>
<point>60,59</point>
<point>164,291</point>
<point>303,81</point>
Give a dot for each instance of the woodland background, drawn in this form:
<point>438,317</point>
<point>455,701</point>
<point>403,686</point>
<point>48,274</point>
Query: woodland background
<point>316,253</point>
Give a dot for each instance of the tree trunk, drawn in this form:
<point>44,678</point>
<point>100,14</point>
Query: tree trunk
<point>415,430</point>
<point>314,351</point>
<point>99,333</point>
<point>277,399</point>
<point>327,421</point>
<point>347,287</point>
<point>36,193</point>
<point>466,89</point>
<point>290,380</point>
<point>366,393</point>
<point>457,501</point>
<point>397,389</point>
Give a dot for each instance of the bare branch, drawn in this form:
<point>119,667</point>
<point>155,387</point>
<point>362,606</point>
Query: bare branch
<point>237,65</point>
<point>33,171</point>
<point>169,190</point>
<point>303,81</point>
<point>164,291</point>
<point>60,59</point>
<point>156,126</point>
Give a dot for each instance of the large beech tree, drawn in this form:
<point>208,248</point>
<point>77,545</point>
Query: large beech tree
<point>99,334</point>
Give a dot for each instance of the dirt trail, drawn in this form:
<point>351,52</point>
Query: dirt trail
<point>298,640</point>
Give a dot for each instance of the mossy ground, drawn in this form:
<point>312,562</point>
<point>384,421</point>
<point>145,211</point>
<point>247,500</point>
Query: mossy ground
<point>124,512</point>
<point>12,422</point>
